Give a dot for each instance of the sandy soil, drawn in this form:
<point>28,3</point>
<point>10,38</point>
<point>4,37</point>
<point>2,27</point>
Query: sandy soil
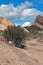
<point>32,55</point>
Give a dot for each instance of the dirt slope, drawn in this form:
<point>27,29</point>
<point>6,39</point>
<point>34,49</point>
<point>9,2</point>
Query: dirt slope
<point>32,55</point>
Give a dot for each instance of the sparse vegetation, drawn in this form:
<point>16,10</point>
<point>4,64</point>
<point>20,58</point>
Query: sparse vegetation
<point>33,28</point>
<point>15,34</point>
<point>34,32</point>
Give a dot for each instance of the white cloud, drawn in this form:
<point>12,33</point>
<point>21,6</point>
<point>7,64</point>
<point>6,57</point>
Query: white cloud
<point>12,12</point>
<point>2,6</point>
<point>20,12</point>
<point>30,13</point>
<point>26,24</point>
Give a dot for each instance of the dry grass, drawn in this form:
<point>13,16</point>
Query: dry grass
<point>33,44</point>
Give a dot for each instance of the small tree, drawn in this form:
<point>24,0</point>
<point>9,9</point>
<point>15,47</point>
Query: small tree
<point>15,34</point>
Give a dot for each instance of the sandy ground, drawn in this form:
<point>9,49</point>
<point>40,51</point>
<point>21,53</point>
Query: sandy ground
<point>32,55</point>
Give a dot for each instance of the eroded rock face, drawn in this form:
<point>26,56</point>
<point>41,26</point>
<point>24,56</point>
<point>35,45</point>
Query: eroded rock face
<point>39,21</point>
<point>4,23</point>
<point>37,25</point>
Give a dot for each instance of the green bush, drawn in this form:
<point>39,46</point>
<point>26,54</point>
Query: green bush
<point>15,34</point>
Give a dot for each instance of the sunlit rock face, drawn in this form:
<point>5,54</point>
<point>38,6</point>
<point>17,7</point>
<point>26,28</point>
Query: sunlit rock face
<point>4,23</point>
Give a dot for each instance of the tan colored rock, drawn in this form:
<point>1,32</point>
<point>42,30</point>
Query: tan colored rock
<point>4,23</point>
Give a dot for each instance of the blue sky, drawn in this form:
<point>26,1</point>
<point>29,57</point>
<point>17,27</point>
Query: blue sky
<point>21,11</point>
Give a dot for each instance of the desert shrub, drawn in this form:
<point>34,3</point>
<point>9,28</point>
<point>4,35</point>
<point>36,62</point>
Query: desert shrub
<point>15,34</point>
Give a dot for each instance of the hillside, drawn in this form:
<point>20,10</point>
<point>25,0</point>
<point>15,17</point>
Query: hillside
<point>31,55</point>
<point>37,25</point>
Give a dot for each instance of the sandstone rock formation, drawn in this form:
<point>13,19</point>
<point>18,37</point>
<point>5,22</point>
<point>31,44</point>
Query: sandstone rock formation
<point>37,25</point>
<point>4,23</point>
<point>39,21</point>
